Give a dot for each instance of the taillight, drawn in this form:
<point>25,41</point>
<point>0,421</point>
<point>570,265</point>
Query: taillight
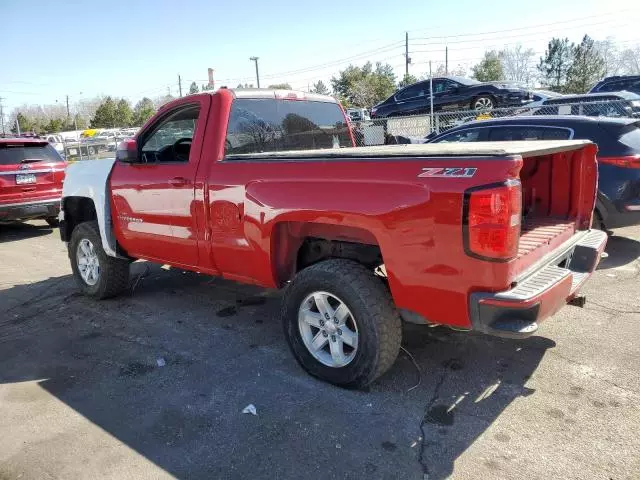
<point>628,161</point>
<point>492,221</point>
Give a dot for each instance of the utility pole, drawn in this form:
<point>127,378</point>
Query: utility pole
<point>446,60</point>
<point>255,60</point>
<point>180,85</point>
<point>407,60</point>
<point>68,107</point>
<point>431,94</point>
<point>2,116</point>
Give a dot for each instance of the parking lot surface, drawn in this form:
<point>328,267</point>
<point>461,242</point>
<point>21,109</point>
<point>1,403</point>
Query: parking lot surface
<point>153,384</point>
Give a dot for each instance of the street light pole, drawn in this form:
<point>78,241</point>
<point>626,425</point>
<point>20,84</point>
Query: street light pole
<point>255,60</point>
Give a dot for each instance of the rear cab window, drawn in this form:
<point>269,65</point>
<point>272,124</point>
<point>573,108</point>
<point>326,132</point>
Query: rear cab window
<point>17,153</point>
<point>258,125</point>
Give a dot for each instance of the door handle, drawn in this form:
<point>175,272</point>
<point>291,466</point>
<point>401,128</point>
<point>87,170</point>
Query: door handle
<point>179,181</point>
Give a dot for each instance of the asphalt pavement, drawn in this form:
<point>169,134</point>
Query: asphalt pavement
<point>152,385</point>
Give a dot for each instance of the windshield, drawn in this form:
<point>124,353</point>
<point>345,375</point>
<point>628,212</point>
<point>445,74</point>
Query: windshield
<point>271,125</point>
<point>16,153</point>
<point>464,80</point>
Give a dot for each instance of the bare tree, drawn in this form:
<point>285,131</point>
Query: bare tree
<point>610,54</point>
<point>458,71</point>
<point>518,64</point>
<point>440,71</point>
<point>630,60</point>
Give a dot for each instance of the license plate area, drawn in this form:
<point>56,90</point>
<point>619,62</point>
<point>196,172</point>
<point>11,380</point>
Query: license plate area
<point>25,178</point>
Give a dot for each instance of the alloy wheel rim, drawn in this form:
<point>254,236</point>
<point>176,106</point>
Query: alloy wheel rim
<point>88,262</point>
<point>483,104</point>
<point>328,329</point>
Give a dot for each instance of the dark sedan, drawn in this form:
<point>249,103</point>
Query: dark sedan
<point>451,93</point>
<point>630,83</point>
<point>618,140</point>
<point>610,104</point>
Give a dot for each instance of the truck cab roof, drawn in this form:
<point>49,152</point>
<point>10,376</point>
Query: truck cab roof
<point>273,93</point>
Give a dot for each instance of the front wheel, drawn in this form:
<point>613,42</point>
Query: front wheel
<point>483,103</point>
<point>52,221</point>
<point>97,274</point>
<point>341,324</point>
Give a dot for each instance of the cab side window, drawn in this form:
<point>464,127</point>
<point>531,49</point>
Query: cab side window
<point>170,141</point>
<point>528,133</point>
<point>471,135</point>
<point>413,91</point>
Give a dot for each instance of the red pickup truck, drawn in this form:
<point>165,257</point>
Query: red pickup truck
<point>265,187</point>
<point>31,176</point>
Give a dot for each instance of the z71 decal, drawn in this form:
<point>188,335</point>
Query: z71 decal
<point>451,172</point>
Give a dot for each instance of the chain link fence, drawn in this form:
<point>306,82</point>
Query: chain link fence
<point>102,145</point>
<point>382,131</point>
<point>401,129</point>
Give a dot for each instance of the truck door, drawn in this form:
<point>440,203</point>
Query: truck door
<point>153,198</point>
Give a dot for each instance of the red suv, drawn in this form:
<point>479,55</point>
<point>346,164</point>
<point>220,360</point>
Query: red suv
<point>31,176</point>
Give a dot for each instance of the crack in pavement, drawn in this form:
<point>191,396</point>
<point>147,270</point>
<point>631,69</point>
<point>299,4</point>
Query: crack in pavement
<point>427,408</point>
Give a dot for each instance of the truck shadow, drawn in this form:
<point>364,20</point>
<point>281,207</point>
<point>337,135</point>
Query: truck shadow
<point>13,232</point>
<point>621,250</point>
<point>168,370</point>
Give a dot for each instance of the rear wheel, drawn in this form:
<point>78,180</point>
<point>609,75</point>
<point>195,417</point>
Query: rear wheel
<point>52,221</point>
<point>97,274</point>
<point>599,224</point>
<point>341,324</point>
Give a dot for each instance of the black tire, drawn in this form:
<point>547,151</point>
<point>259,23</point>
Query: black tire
<point>52,221</point>
<point>368,299</point>
<point>483,98</point>
<point>114,272</point>
<point>598,223</point>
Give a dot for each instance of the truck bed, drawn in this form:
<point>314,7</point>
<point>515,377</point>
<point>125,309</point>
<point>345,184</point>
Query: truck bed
<point>540,231</point>
<point>471,149</point>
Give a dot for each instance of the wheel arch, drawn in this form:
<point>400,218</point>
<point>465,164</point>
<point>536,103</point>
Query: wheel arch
<point>85,197</point>
<point>297,245</point>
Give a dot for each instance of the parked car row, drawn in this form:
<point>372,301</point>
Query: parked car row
<point>462,94</point>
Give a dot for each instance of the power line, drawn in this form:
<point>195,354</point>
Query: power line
<point>562,22</point>
<point>312,68</point>
<point>524,35</point>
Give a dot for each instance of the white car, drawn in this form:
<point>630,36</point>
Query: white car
<point>358,114</point>
<point>56,142</point>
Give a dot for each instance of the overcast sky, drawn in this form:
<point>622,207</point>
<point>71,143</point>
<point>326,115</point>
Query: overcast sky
<point>136,49</point>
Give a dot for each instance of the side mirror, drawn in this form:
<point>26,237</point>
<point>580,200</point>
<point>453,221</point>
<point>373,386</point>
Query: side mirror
<point>127,151</point>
